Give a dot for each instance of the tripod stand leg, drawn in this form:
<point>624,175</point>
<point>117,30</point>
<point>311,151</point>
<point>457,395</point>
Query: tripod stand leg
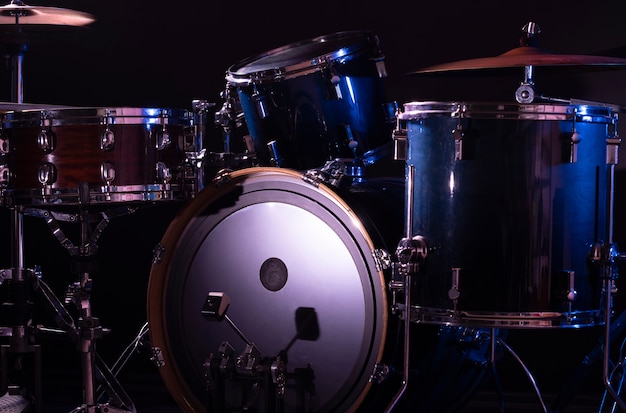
<point>35,350</point>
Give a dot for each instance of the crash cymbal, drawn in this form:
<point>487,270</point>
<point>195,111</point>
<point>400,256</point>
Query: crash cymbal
<point>527,54</point>
<point>524,56</point>
<point>18,13</point>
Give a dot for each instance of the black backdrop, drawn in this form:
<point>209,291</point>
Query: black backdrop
<point>165,54</point>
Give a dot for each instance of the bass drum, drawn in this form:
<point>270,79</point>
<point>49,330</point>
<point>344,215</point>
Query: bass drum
<point>298,263</point>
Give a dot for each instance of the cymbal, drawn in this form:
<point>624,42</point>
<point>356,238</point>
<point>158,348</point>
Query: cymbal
<point>17,13</point>
<point>525,56</point>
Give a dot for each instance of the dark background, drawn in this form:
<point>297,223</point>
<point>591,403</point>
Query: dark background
<point>165,54</point>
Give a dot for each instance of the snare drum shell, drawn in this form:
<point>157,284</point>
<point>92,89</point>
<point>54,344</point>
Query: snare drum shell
<point>77,155</point>
<point>510,200</point>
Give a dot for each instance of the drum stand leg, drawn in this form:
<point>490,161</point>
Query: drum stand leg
<point>606,255</point>
<point>411,252</point>
<point>88,328</point>
<point>20,343</point>
<point>529,375</point>
<point>608,289</point>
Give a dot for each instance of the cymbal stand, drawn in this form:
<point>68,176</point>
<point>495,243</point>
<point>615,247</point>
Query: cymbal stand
<point>17,82</point>
<point>16,53</point>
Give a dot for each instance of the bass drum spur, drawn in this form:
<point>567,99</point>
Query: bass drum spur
<point>301,266</point>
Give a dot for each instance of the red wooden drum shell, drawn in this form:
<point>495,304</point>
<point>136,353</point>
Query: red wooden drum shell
<point>106,154</point>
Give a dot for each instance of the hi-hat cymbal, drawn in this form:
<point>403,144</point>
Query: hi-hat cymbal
<point>525,56</point>
<point>18,13</point>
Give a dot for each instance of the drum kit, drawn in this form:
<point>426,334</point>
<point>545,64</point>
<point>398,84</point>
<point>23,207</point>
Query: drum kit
<point>304,273</point>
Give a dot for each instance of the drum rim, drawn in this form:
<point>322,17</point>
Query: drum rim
<point>508,110</point>
<point>307,65</point>
<point>105,115</point>
<point>498,319</point>
<point>97,194</point>
<point>157,316</point>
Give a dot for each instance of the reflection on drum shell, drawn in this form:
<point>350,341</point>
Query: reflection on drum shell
<point>321,247</point>
<point>127,153</point>
<point>510,200</point>
<point>315,101</point>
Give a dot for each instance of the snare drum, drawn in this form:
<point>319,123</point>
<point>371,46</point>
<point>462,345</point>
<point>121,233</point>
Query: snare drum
<point>315,101</point>
<point>510,200</point>
<point>93,155</point>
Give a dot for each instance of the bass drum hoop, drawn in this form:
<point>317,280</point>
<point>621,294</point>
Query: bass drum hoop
<point>165,256</point>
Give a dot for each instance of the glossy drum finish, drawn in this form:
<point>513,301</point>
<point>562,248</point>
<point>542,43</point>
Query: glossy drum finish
<point>510,200</point>
<point>314,101</point>
<point>281,248</point>
<point>93,155</point>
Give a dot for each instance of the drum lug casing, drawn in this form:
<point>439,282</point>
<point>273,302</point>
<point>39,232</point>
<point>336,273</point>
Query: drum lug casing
<point>5,146</point>
<point>5,171</point>
<point>47,174</point>
<point>107,173</point>
<point>162,139</point>
<point>5,175</point>
<point>46,140</point>
<point>107,140</point>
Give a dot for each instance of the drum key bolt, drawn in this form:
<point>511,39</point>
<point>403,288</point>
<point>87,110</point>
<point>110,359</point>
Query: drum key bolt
<point>570,143</point>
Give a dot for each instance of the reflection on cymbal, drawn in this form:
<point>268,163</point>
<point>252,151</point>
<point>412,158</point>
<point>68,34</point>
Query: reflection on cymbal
<point>17,13</point>
<point>524,56</point>
<point>9,107</point>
